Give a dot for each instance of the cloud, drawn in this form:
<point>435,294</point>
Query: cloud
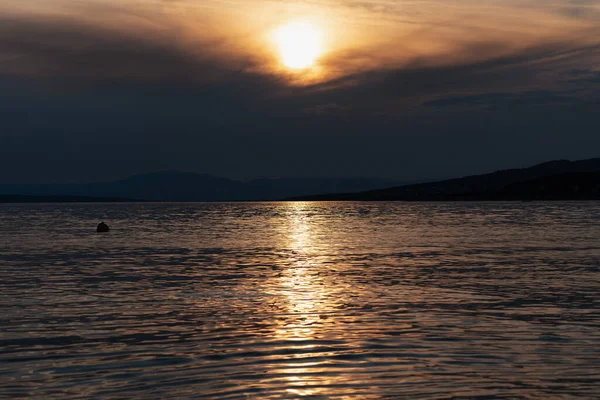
<point>584,76</point>
<point>581,9</point>
<point>157,52</point>
<point>328,109</point>
<point>71,54</point>
<point>495,100</point>
<point>161,87</point>
<point>63,48</point>
<point>180,41</point>
<point>529,76</point>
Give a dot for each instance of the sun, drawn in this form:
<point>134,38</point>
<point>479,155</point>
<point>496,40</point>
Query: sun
<point>299,44</point>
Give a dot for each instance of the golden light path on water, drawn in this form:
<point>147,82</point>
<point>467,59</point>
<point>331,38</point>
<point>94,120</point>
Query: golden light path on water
<point>306,302</point>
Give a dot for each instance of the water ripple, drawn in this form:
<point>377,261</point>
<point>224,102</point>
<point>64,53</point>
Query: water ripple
<point>291,300</point>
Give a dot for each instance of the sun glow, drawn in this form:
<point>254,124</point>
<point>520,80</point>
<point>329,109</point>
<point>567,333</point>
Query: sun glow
<point>299,44</point>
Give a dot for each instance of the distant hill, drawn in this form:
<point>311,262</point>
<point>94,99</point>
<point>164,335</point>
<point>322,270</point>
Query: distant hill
<point>187,186</point>
<point>555,180</point>
<point>59,199</point>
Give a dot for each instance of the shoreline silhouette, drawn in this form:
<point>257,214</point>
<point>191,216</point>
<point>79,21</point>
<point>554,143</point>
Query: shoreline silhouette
<point>554,180</point>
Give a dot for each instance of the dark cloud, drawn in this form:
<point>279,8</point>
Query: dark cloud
<point>83,101</point>
<point>582,9</point>
<point>488,100</point>
<point>583,76</point>
<point>75,51</point>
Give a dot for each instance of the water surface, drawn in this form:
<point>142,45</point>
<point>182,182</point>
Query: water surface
<point>290,300</point>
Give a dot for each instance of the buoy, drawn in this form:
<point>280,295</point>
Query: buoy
<point>102,227</point>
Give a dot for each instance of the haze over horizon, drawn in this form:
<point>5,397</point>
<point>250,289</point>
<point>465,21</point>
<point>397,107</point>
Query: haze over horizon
<point>414,90</point>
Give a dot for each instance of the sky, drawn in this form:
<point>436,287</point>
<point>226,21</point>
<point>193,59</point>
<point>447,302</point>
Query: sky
<point>409,90</point>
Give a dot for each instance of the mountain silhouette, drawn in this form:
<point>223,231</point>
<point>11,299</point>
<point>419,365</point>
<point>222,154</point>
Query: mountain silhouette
<point>192,187</point>
<point>554,180</point>
<point>59,199</point>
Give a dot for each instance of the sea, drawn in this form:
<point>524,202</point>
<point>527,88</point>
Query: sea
<point>300,300</point>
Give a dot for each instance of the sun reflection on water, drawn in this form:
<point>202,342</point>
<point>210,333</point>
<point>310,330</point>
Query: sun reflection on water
<point>298,283</point>
<point>306,301</point>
